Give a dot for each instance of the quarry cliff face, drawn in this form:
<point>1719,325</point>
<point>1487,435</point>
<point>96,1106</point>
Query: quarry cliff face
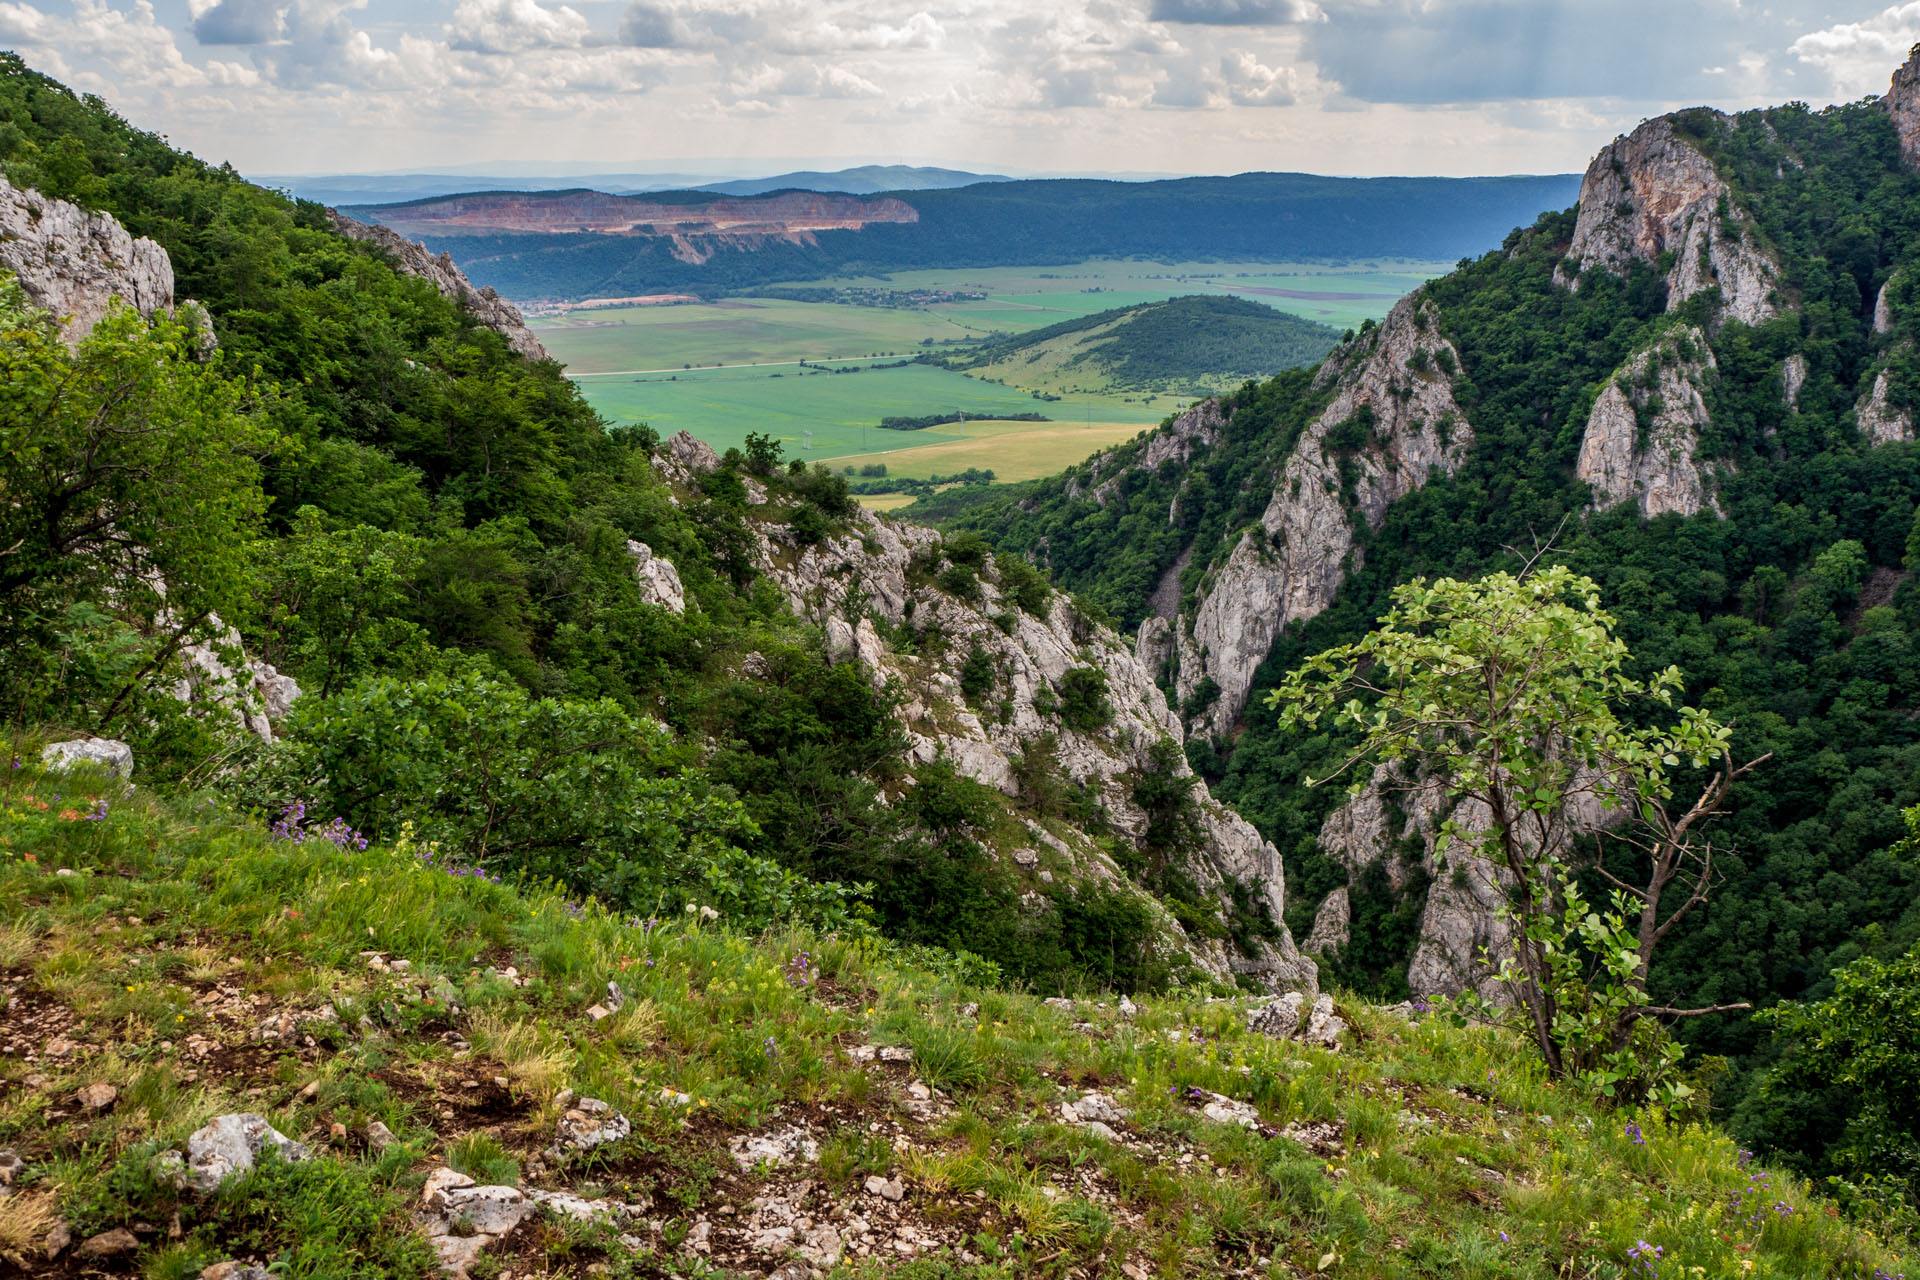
<point>1391,423</point>
<point>882,570</point>
<point>1654,197</point>
<point>75,264</point>
<point>415,259</point>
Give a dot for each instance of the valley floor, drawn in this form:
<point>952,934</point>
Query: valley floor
<point>441,1045</point>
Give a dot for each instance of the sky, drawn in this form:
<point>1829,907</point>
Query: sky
<point>753,87</point>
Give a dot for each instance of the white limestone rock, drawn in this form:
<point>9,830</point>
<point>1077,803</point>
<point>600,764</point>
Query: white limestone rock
<point>1656,468</point>
<point>1652,192</point>
<point>659,580</point>
<point>231,1145</point>
<point>75,263</point>
<point>1878,419</point>
<point>1290,565</point>
<point>1332,924</point>
<point>110,754</point>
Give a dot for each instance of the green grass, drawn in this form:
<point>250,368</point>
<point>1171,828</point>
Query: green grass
<point>1455,1157</point>
<point>721,406</point>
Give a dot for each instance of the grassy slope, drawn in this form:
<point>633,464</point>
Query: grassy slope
<point>181,927</point>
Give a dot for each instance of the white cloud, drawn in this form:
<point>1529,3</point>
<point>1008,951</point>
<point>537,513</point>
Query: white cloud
<point>515,26</point>
<point>1249,84</point>
<point>1860,57</point>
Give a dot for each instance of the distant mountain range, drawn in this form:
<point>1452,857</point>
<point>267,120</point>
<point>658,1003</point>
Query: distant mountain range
<point>866,179</point>
<point>586,243</point>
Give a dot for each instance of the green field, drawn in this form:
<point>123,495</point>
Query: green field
<point>1013,451</point>
<point>636,364</point>
<point>843,410</point>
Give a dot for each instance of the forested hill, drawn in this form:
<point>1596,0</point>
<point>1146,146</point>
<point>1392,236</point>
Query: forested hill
<point>1698,387</point>
<point>1265,217</point>
<point>1200,340</point>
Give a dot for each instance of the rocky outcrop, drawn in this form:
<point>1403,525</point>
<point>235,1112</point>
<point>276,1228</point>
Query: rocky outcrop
<point>659,580</point>
<point>1194,431</point>
<point>1793,376</point>
<point>878,577</point>
<point>415,259</point>
<point>1645,428</point>
<point>1652,193</point>
<point>1879,420</point>
<point>1392,422</point>
<point>217,673</point>
<point>1902,104</point>
<point>1463,934</point>
<point>75,263</point>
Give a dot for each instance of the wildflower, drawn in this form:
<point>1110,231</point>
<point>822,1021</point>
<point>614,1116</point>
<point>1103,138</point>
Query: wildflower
<point>1503,1238</point>
<point>99,813</point>
<point>1633,1131</point>
<point>69,815</point>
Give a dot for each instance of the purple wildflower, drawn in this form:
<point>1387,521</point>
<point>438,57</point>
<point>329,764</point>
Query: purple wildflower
<point>1633,1131</point>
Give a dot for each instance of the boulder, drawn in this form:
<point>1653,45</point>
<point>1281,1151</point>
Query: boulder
<point>231,1145</point>
<point>110,754</point>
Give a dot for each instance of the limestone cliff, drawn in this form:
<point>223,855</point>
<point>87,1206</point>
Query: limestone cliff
<point>873,588</point>
<point>1652,195</point>
<point>415,259</point>
<point>1181,440</point>
<point>75,263</point>
<point>1902,104</point>
<point>1391,423</point>
<point>1645,428</point>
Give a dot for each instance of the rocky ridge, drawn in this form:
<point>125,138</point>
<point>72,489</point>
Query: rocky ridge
<point>75,263</point>
<point>1652,196</point>
<point>1645,428</point>
<point>878,576</point>
<point>1391,423</point>
<point>415,259</point>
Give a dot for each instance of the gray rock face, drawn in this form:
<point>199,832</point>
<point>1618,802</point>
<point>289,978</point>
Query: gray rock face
<point>1190,433</point>
<point>1396,823</point>
<point>75,263</point>
<point>1883,310</point>
<point>659,580</point>
<point>415,259</point>
<point>1332,924</point>
<point>1652,193</point>
<point>1290,566</point>
<point>1880,421</point>
<point>1793,376</point>
<point>114,756</point>
<point>230,1145</point>
<point>850,582</point>
<point>1902,103</point>
<point>1656,468</point>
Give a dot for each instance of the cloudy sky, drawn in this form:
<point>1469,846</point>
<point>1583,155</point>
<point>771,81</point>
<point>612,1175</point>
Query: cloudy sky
<point>1173,86</point>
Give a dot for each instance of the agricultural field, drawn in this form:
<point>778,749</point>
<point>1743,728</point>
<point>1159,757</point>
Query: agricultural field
<point>842,410</point>
<point>1013,451</point>
<point>658,364</point>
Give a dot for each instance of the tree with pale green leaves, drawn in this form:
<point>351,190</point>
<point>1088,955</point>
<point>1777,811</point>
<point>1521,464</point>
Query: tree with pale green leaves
<point>1512,693</point>
<point>129,495</point>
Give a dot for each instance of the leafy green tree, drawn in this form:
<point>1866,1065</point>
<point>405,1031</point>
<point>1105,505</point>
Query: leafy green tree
<point>335,602</point>
<point>1864,1039</point>
<point>1512,692</point>
<point>1083,699</point>
<point>130,478</point>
